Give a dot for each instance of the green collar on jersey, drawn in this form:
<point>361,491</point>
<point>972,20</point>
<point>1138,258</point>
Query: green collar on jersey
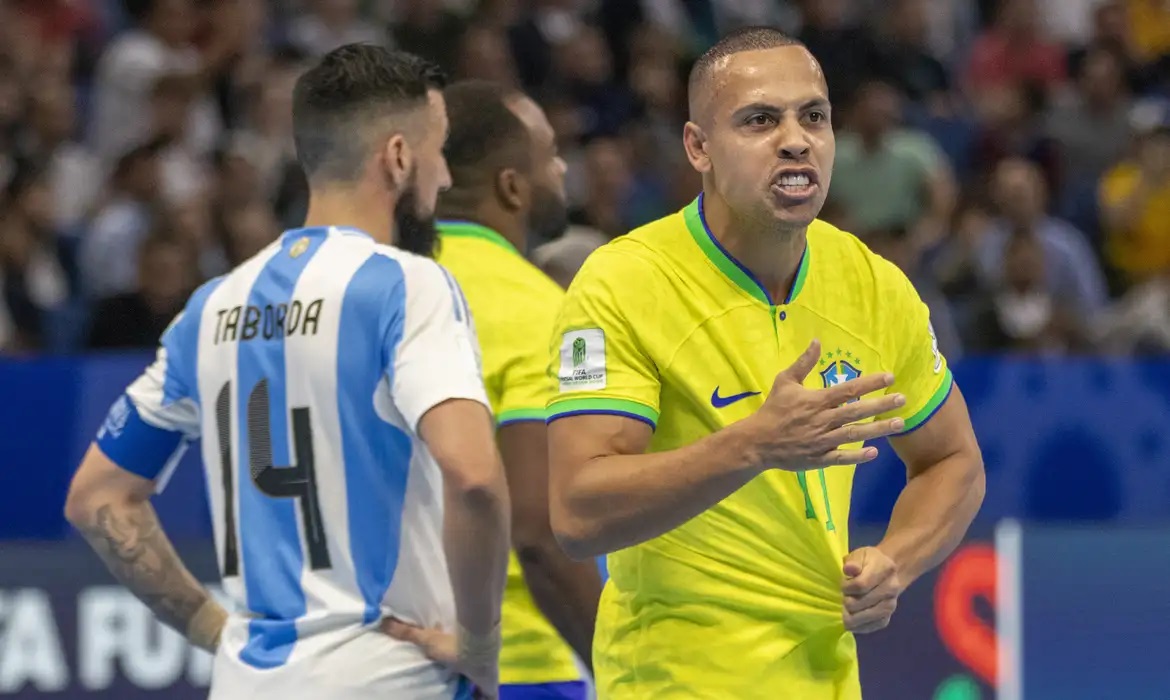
<point>733,269</point>
<point>468,229</point>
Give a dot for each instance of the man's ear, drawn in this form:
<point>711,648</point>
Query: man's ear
<point>397,160</point>
<point>512,189</point>
<point>695,143</point>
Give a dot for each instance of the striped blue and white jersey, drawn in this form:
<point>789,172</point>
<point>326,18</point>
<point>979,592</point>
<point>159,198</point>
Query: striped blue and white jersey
<point>305,372</point>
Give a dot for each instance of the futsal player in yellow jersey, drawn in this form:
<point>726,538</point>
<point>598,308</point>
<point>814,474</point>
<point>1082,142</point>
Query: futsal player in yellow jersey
<point>508,183</point>
<point>719,371</point>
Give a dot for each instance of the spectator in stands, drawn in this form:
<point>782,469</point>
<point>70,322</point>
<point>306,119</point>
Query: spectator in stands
<point>109,250</point>
<point>75,175</point>
<point>1110,32</point>
<point>657,87</point>
<point>1011,126</point>
<point>426,28</point>
<point>1135,199</point>
<point>184,174</point>
<point>907,62</point>
<point>954,265</point>
<point>586,75</point>
<point>545,25</point>
<point>137,319</point>
<point>1140,322</point>
<point>160,44</point>
<point>191,223</point>
<point>618,198</point>
<point>1149,28</point>
<point>484,54</point>
<point>888,177</point>
<point>1014,50</point>
<point>1091,122</point>
<point>12,97</point>
<point>33,281</point>
<point>247,229</point>
<point>1021,313</point>
<point>1071,273</point>
<point>845,49</point>
<point>328,24</point>
<point>264,148</point>
<point>237,178</point>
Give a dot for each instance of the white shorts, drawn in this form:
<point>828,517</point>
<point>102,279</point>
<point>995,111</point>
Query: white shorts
<point>354,664</point>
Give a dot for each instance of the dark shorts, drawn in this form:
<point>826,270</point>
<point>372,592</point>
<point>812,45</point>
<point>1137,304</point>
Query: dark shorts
<point>573,690</point>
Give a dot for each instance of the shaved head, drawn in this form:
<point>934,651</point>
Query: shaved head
<point>760,131</point>
<point>699,90</point>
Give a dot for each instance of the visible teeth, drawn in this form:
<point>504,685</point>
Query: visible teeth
<point>794,180</point>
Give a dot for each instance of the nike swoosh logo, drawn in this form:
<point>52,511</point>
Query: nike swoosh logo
<point>722,401</point>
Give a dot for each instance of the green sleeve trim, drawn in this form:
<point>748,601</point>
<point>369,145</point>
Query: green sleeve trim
<point>521,414</point>
<point>618,407</point>
<point>927,412</point>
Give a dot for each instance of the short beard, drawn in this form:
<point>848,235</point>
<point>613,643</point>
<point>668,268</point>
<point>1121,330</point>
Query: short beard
<point>414,232</point>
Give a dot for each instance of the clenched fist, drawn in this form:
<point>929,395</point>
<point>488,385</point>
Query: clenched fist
<point>871,588</point>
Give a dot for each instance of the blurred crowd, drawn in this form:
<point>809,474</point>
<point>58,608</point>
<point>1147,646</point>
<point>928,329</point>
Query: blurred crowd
<point>1012,156</point>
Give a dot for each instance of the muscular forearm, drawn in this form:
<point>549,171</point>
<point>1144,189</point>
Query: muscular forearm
<point>566,591</point>
<point>932,515</point>
<point>618,501</point>
<point>476,542</point>
<point>129,539</point>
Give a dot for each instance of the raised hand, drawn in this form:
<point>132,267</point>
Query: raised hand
<point>798,429</point>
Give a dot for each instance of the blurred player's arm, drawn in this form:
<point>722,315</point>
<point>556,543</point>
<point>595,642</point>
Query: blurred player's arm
<point>566,591</point>
<point>459,435</point>
<point>111,507</point>
<point>146,432</point>
<point>943,493</point>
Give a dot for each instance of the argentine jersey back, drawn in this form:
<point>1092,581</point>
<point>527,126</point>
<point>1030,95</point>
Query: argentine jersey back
<point>305,371</point>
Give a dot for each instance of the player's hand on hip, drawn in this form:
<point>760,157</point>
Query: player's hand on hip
<point>871,588</point>
<point>477,659</point>
<point>798,429</point>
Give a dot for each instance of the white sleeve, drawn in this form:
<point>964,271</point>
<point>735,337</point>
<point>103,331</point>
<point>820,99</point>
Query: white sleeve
<point>435,354</point>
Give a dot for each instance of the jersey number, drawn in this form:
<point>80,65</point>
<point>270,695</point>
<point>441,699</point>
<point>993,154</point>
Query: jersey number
<point>297,481</point>
<point>809,511</point>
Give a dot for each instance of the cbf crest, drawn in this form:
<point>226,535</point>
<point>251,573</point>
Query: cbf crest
<point>839,367</point>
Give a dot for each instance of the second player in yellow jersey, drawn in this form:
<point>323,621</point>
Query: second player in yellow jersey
<point>509,298</point>
<point>497,136</point>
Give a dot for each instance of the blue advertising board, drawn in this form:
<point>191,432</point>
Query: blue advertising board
<point>1092,614</point>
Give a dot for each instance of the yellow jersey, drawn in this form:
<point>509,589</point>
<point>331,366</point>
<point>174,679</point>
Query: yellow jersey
<point>1141,251</point>
<point>514,306</point>
<point>664,326</point>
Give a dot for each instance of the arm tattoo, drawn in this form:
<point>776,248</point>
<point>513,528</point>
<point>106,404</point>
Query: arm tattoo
<point>137,552</point>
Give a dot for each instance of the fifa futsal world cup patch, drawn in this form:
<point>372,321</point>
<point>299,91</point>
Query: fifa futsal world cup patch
<point>583,360</point>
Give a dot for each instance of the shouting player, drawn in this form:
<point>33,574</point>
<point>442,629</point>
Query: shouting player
<point>508,184</point>
<point>346,433</point>
<point>720,370</point>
